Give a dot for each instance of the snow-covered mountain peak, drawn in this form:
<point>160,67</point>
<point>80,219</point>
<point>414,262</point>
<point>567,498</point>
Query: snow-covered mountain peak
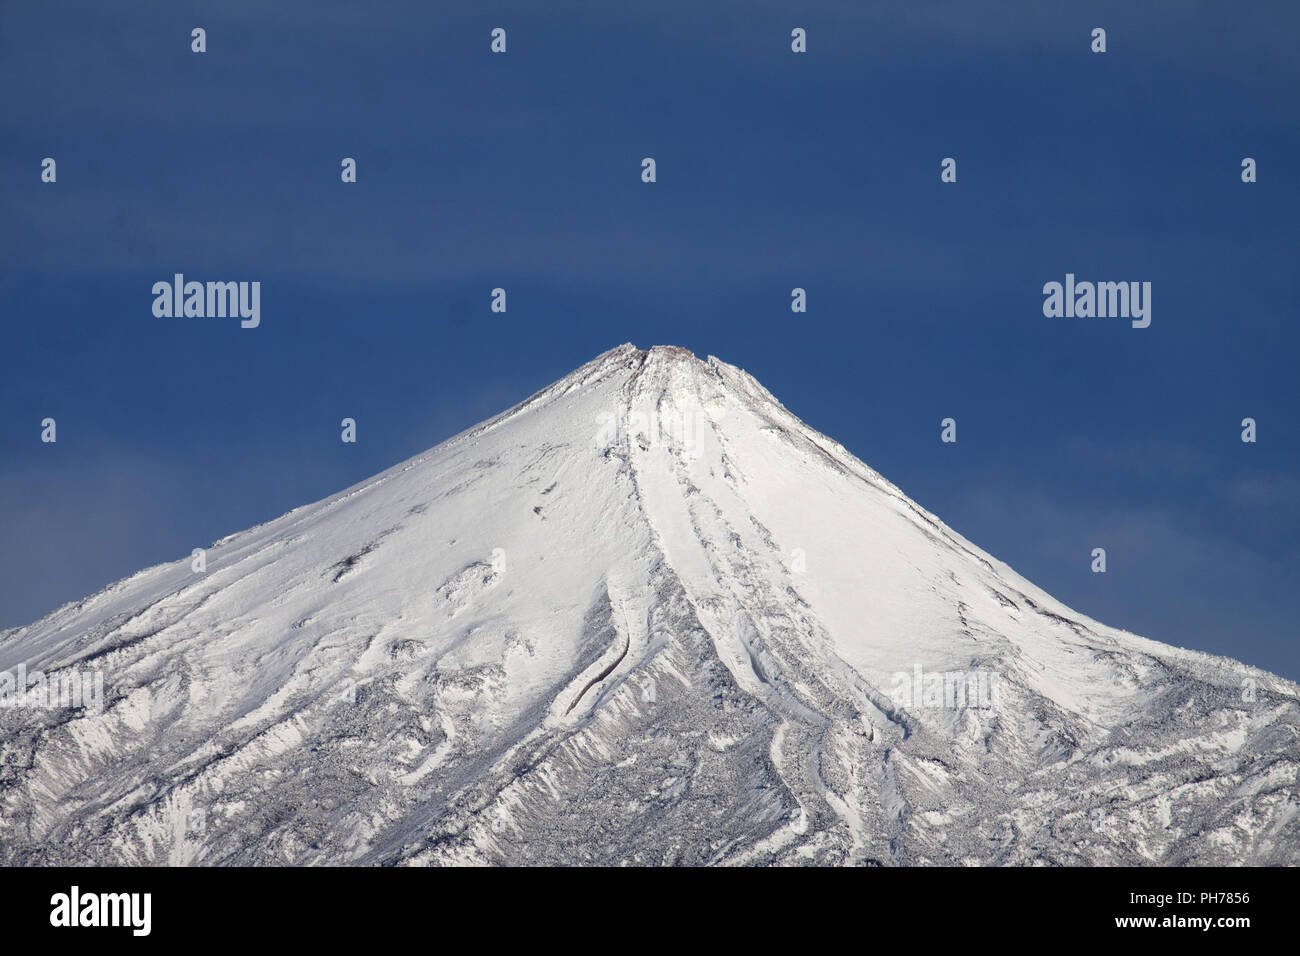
<point>668,368</point>
<point>646,615</point>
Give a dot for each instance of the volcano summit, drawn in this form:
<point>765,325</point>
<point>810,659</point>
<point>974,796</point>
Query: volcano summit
<point>647,616</point>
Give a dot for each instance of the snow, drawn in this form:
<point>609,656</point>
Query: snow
<point>648,585</point>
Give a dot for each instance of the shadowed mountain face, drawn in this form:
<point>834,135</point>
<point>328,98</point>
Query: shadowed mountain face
<point>647,616</point>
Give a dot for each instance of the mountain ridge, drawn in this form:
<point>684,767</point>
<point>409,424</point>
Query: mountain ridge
<point>707,671</point>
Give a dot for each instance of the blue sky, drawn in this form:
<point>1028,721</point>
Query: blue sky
<point>775,170</point>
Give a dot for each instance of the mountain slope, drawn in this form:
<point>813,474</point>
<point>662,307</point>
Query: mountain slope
<point>646,616</point>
